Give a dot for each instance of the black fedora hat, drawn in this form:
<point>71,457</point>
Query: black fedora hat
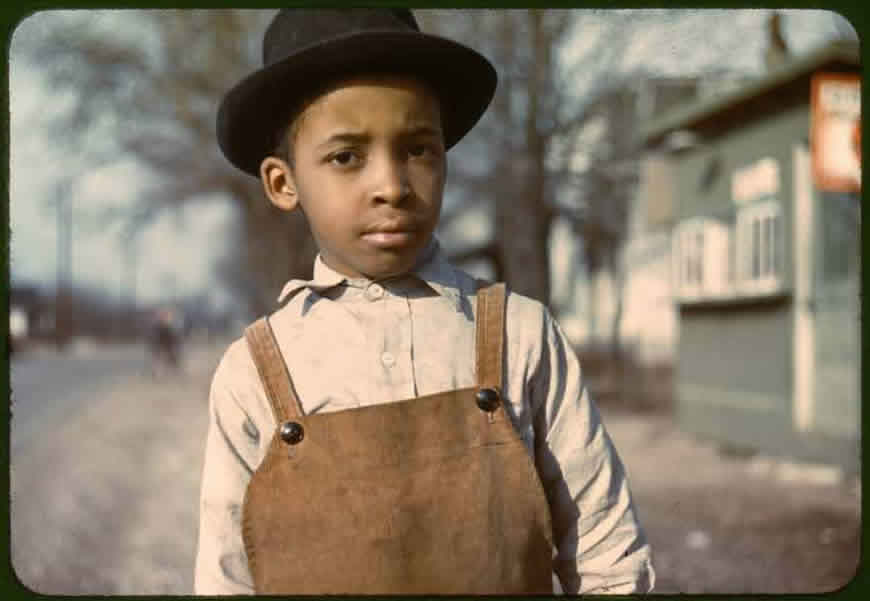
<point>305,48</point>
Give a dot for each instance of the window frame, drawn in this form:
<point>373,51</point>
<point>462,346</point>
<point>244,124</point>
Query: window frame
<point>695,273</point>
<point>760,248</point>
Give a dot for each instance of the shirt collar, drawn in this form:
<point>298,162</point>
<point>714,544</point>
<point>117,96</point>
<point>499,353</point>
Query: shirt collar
<point>436,271</point>
<point>324,279</point>
<point>432,268</point>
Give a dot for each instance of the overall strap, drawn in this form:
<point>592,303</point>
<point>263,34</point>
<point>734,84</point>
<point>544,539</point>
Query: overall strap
<point>489,335</point>
<point>273,371</point>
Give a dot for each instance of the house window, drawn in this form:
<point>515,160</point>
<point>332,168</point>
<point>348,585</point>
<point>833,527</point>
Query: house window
<point>759,248</point>
<point>701,259</point>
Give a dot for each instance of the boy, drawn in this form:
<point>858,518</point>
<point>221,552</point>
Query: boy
<point>396,426</point>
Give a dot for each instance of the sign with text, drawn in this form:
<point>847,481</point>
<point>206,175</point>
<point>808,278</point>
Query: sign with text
<point>755,181</point>
<point>835,131</point>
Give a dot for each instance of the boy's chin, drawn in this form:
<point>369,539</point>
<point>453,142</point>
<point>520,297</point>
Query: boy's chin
<point>388,265</point>
<point>387,269</point>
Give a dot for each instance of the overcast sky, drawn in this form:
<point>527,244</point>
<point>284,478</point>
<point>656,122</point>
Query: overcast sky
<point>176,253</point>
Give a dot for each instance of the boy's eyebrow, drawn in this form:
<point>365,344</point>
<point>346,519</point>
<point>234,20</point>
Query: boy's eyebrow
<point>422,130</point>
<point>354,137</point>
<point>349,137</point>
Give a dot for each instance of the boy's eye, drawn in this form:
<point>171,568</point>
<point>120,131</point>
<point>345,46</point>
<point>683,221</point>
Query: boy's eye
<point>421,150</point>
<point>344,158</point>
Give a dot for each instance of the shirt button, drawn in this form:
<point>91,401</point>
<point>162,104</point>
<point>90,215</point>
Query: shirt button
<point>388,359</point>
<point>374,292</point>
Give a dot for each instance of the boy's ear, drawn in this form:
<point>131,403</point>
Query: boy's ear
<point>278,183</point>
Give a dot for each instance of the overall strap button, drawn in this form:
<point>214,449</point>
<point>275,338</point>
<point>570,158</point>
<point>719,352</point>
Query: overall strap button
<point>292,432</point>
<point>488,399</point>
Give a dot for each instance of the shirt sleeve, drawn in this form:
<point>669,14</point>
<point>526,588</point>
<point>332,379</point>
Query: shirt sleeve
<point>230,459</point>
<point>600,545</point>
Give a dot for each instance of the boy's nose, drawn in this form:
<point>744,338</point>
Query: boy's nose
<point>392,185</point>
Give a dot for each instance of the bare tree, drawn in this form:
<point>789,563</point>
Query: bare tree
<point>563,74</point>
<point>154,97</point>
<point>524,149</point>
<point>507,152</point>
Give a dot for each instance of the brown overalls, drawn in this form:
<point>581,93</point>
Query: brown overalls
<point>435,494</point>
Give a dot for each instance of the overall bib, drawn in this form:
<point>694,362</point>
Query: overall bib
<point>434,494</point>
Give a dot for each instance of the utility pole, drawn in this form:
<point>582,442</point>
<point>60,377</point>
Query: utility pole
<point>63,285</point>
<point>131,257</point>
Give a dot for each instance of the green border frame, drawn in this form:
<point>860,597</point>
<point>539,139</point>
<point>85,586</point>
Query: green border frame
<point>12,14</point>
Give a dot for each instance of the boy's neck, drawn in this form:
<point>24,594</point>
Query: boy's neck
<point>427,254</point>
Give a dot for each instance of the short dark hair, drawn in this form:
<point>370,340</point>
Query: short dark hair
<point>283,146</point>
<point>286,135</point>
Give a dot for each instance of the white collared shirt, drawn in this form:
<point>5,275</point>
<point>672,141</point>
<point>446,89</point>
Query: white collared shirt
<point>354,342</point>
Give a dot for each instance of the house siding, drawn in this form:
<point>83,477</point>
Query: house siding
<point>737,357</point>
<point>733,427</point>
<point>773,363</point>
<point>771,137</point>
<point>838,316</point>
<point>838,340</point>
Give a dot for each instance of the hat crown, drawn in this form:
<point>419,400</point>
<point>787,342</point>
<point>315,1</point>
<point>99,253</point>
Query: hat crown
<point>295,28</point>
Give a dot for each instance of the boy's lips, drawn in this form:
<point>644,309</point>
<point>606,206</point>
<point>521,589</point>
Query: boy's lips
<point>388,239</point>
<point>391,234</point>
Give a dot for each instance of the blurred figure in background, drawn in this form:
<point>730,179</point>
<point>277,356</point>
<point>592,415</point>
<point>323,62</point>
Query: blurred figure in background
<point>165,342</point>
<point>18,329</point>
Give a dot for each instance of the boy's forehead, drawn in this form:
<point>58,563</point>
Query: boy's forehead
<point>400,100</point>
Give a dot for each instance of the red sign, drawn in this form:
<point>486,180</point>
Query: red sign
<point>835,133</point>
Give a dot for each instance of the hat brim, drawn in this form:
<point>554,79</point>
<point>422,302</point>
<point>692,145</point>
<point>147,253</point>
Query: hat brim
<point>251,113</point>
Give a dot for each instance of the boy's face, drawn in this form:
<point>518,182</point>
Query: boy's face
<point>368,170</point>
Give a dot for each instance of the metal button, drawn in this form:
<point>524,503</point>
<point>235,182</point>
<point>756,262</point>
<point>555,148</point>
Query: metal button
<point>388,359</point>
<point>292,432</point>
<point>374,291</point>
<point>488,399</point>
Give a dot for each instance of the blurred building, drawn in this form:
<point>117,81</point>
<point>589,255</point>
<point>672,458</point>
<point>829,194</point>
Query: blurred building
<point>757,192</point>
<point>609,170</point>
<point>635,298</point>
<point>30,316</point>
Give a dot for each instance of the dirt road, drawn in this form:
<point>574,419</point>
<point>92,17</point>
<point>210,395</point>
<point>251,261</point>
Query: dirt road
<point>721,524</point>
<point>105,502</point>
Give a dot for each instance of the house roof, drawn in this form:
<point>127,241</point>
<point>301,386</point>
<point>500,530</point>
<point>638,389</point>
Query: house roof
<point>792,75</point>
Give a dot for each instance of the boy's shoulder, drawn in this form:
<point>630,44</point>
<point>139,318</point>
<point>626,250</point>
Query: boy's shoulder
<point>236,364</point>
<point>521,311</point>
<point>526,318</point>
